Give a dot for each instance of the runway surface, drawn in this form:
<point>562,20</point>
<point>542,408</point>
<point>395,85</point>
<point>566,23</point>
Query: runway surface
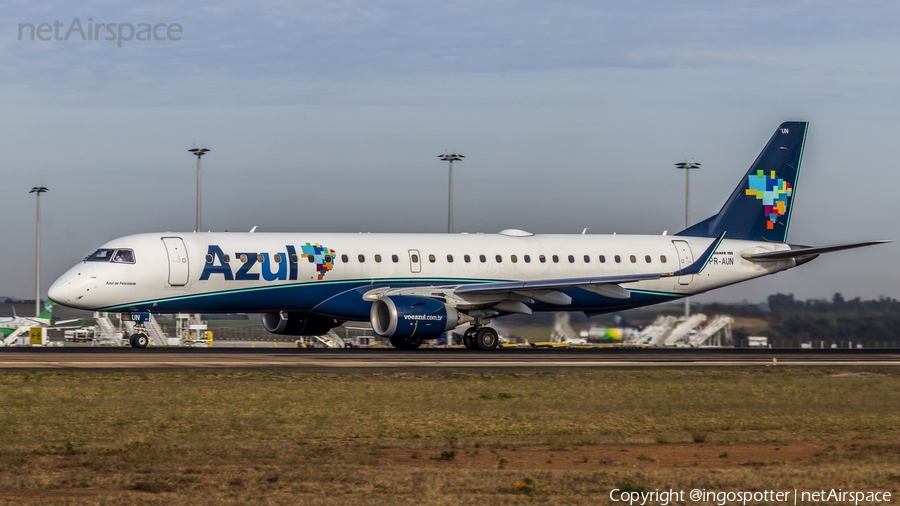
<point>377,360</point>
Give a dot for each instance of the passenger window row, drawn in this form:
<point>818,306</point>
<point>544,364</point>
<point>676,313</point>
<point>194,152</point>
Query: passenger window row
<point>512,258</point>
<point>128,256</point>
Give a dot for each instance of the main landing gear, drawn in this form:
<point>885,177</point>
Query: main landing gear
<point>481,338</point>
<point>475,338</point>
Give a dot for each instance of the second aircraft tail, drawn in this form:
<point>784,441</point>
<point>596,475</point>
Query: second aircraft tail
<point>47,310</point>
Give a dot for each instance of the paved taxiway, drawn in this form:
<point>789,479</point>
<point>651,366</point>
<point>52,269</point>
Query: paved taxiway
<point>356,360</point>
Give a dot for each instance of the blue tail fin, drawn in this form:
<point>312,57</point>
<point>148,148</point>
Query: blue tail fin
<point>759,209</point>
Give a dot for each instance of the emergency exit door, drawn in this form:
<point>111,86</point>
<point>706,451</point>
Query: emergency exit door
<point>415,261</point>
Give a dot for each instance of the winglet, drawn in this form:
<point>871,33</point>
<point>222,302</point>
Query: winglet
<point>698,266</point>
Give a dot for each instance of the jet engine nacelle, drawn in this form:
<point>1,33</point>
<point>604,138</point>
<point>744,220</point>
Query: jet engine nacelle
<point>297,324</point>
<point>409,316</point>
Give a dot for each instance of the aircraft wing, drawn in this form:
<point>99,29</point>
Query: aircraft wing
<point>42,322</point>
<point>511,296</point>
<point>604,285</point>
<point>806,251</point>
<point>61,322</point>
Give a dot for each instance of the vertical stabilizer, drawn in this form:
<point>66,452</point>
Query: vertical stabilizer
<point>47,311</point>
<point>760,207</point>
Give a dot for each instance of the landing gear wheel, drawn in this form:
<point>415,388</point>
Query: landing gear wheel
<point>412,344</point>
<point>139,341</point>
<point>469,338</point>
<point>486,339</point>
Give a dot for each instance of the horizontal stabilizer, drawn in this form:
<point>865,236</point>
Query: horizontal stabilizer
<point>803,251</point>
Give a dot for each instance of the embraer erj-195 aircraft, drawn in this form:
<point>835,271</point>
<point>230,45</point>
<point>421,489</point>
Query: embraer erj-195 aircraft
<point>414,287</point>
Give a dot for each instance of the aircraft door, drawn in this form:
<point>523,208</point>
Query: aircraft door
<point>415,261</point>
<point>178,261</point>
<point>685,258</point>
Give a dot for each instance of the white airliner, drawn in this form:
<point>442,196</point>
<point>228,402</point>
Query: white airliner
<point>414,287</point>
<point>11,326</point>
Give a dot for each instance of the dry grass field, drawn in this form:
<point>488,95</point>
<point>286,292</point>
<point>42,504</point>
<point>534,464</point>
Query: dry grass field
<point>543,438</point>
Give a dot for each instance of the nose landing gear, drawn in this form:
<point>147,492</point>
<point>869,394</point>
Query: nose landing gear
<point>139,338</point>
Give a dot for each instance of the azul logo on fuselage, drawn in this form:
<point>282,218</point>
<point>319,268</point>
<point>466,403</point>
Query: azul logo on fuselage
<point>280,266</point>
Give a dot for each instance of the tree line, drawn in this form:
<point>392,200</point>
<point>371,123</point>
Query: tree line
<point>838,322</point>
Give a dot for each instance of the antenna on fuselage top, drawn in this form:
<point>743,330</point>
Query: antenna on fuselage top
<point>252,230</point>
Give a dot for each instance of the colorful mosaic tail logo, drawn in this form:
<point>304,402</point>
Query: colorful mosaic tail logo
<point>323,257</point>
<point>773,192</point>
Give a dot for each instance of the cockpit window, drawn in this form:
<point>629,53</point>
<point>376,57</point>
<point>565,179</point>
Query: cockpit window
<point>101,255</point>
<point>119,256</point>
<point>123,256</point>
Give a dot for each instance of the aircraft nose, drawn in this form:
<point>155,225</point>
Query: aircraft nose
<point>59,291</point>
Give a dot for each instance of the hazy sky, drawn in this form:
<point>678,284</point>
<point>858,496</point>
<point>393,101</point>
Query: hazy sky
<point>328,116</point>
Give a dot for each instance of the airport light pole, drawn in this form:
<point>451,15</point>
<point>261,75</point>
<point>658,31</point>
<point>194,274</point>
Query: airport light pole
<point>452,157</point>
<point>38,190</point>
<point>688,167</point>
<point>198,152</point>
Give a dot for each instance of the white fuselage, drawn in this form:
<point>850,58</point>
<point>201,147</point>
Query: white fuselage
<point>266,272</point>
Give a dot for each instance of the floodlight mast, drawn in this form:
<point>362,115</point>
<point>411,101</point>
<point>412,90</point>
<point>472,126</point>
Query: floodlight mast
<point>37,190</point>
<point>198,152</point>
<point>451,157</point>
<point>688,167</point>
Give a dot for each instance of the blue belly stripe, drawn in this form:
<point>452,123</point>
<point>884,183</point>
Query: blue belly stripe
<point>343,299</point>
